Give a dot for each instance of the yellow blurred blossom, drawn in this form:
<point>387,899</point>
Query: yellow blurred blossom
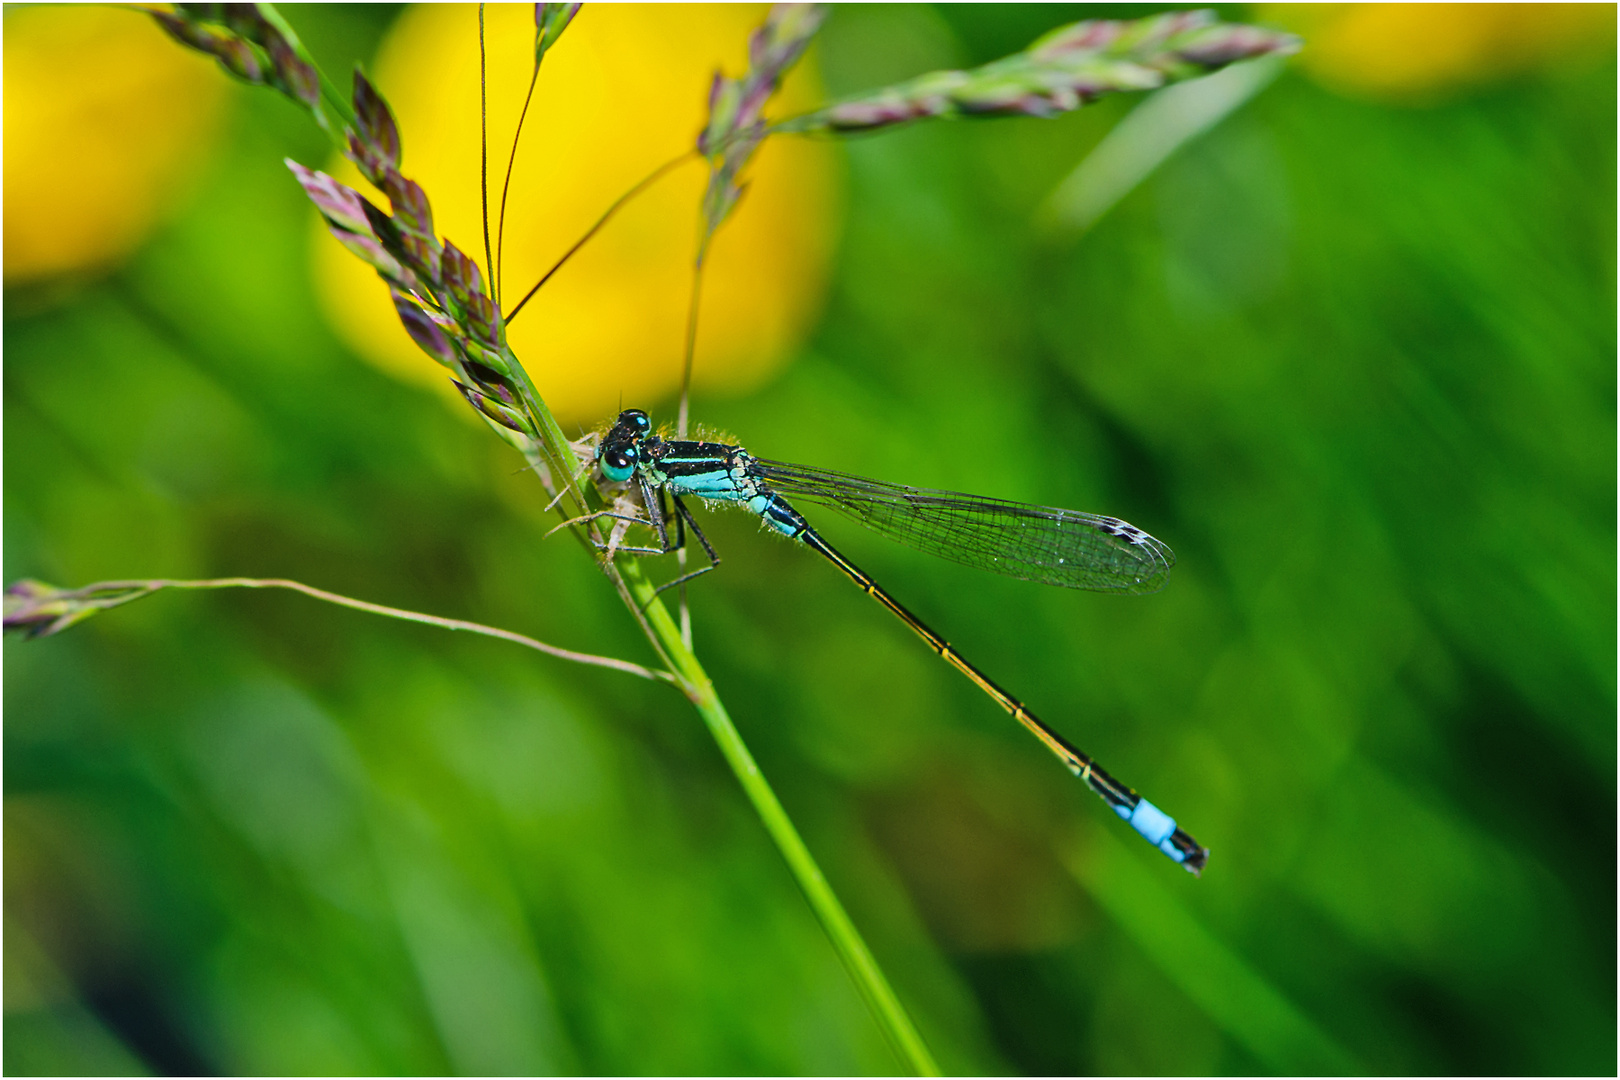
<point>104,116</point>
<point>1421,53</point>
<point>623,91</point>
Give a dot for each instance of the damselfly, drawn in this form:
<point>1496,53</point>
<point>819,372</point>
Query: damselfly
<point>1042,544</point>
<point>1034,543</point>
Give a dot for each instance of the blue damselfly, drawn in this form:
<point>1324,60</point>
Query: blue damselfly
<point>1033,543</point>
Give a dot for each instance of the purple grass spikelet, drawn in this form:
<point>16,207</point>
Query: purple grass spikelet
<point>378,134</point>
<point>36,609</point>
<point>410,204</point>
<point>507,418</point>
<point>459,274</point>
<point>340,204</point>
<point>424,330</point>
<point>550,20</point>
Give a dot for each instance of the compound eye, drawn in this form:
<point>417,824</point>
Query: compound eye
<point>642,423</point>
<point>618,465</point>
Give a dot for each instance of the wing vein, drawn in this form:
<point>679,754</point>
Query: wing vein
<point>1032,543</point>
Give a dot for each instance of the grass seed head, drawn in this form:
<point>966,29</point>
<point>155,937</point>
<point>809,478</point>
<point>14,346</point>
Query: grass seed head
<point>1061,71</point>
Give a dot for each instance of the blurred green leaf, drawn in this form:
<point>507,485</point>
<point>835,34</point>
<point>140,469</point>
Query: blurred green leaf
<point>1354,363</point>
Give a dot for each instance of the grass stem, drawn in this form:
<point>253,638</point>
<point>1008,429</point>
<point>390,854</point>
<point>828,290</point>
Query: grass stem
<point>891,1016</point>
<point>104,595</point>
<point>506,186</point>
<point>641,185</point>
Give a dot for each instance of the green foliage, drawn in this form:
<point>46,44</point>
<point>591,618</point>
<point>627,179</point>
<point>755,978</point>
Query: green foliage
<point>1356,364</point>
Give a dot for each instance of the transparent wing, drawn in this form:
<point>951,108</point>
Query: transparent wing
<point>1032,543</point>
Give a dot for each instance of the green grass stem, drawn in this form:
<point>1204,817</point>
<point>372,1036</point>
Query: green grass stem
<point>852,950</point>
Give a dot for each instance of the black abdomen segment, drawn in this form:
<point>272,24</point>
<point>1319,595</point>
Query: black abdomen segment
<point>1158,828</point>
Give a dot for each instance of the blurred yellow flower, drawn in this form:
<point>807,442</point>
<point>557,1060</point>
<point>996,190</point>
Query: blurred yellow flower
<point>1419,53</point>
<point>624,91</point>
<point>104,116</point>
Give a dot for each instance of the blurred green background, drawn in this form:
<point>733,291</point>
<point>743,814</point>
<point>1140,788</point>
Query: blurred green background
<point>1351,353</point>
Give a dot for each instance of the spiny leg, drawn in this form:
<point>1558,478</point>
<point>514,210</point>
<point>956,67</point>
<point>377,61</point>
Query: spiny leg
<point>585,519</point>
<point>631,519</point>
<point>684,518</point>
<point>681,603</point>
<point>657,516</point>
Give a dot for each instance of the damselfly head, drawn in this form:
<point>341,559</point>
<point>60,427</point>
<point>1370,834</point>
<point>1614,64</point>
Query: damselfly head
<point>631,426</point>
<point>620,451</point>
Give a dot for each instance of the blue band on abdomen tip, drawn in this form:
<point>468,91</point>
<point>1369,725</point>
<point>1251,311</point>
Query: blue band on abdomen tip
<point>1152,823</point>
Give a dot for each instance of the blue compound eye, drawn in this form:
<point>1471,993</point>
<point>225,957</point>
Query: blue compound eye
<point>619,465</point>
